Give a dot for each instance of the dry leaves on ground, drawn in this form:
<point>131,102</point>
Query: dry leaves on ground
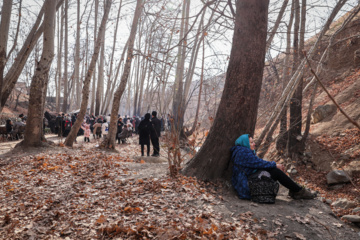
<point>88,194</point>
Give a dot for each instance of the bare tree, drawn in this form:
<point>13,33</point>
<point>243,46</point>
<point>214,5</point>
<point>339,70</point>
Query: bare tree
<point>109,142</point>
<point>239,102</point>
<point>34,126</point>
<point>4,34</point>
<point>66,50</point>
<point>59,57</point>
<point>85,91</point>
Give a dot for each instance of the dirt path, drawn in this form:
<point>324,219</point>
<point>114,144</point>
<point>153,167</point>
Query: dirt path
<point>102,175</point>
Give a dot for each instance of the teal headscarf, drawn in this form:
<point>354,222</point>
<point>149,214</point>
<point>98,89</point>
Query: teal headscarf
<point>243,141</point>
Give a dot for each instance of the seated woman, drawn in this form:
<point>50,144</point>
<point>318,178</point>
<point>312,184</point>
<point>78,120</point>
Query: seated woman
<point>247,163</point>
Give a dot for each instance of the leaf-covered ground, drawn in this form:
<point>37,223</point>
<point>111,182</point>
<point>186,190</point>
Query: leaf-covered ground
<point>86,193</point>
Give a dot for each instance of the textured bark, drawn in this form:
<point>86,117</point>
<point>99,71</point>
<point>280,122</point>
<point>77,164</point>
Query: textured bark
<point>237,110</point>
<point>293,144</point>
<point>59,57</point>
<point>4,35</point>
<point>77,58</point>
<point>65,76</point>
<point>93,95</point>
<point>178,85</point>
<point>100,80</point>
<point>110,141</point>
<point>34,126</point>
<point>200,89</point>
<point>85,91</point>
<point>16,68</point>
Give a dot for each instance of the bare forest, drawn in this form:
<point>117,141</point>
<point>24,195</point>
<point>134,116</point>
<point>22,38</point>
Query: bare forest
<point>285,72</point>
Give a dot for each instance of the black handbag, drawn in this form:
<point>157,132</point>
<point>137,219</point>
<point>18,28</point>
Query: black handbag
<point>263,189</point>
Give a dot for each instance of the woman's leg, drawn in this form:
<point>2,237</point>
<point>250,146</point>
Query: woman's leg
<point>283,179</point>
<point>142,149</point>
<point>148,149</point>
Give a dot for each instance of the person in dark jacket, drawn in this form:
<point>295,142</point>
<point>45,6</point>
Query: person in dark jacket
<point>247,163</point>
<point>144,134</point>
<point>58,125</point>
<point>155,134</point>
<point>120,125</point>
<point>9,126</point>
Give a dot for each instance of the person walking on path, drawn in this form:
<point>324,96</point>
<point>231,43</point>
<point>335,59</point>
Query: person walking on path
<point>144,134</point>
<point>155,134</point>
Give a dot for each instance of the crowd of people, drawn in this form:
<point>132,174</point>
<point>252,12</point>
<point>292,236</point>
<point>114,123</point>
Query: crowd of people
<point>148,127</point>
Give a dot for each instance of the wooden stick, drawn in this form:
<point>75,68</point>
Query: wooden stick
<point>332,99</point>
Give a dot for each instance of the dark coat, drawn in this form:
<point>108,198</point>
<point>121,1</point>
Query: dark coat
<point>144,132</point>
<point>156,127</point>
<point>9,126</point>
<point>120,125</point>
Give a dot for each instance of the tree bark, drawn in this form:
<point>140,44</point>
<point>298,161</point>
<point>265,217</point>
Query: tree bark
<point>22,56</point>
<point>4,35</point>
<point>109,142</point>
<point>77,59</point>
<point>85,91</point>
<point>200,89</point>
<point>178,85</point>
<point>65,76</point>
<point>34,126</point>
<point>93,91</point>
<point>100,80</point>
<point>293,146</point>
<point>59,57</point>
<point>237,110</point>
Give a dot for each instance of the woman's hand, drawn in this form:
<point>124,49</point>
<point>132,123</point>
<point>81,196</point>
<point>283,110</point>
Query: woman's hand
<point>281,167</point>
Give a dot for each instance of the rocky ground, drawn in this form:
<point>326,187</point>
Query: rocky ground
<point>87,193</point>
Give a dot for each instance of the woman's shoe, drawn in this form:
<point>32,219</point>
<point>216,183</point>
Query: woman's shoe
<point>303,194</point>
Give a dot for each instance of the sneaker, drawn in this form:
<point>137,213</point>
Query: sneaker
<point>303,194</point>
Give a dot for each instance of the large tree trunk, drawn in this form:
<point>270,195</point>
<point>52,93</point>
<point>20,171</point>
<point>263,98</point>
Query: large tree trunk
<point>178,85</point>
<point>22,56</point>
<point>59,56</point>
<point>4,34</point>
<point>34,126</point>
<point>93,95</point>
<point>65,77</point>
<point>109,142</point>
<point>77,59</point>
<point>100,83</point>
<point>85,91</point>
<point>295,146</point>
<point>237,110</point>
<point>296,100</point>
